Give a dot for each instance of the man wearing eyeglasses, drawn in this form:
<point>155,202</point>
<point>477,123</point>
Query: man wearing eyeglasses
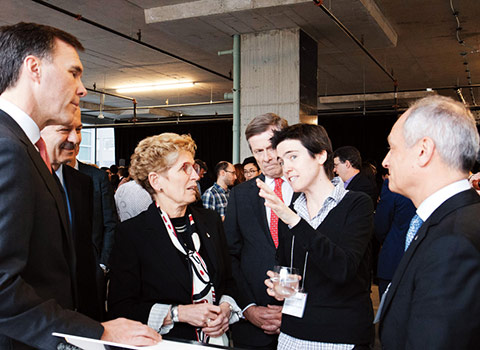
<point>216,197</point>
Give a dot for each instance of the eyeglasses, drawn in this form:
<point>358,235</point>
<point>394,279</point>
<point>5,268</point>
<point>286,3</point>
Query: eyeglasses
<point>231,172</point>
<point>252,171</point>
<point>187,168</point>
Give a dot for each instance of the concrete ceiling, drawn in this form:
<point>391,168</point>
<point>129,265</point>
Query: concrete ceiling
<point>414,40</point>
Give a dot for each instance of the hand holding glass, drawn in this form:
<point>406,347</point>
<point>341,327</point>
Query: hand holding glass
<point>285,281</point>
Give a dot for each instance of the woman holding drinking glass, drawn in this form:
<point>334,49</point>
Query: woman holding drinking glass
<point>326,238</point>
<point>170,267</point>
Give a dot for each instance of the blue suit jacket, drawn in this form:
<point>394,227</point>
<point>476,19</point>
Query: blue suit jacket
<point>392,219</point>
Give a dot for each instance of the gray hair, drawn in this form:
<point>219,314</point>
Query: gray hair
<point>449,124</point>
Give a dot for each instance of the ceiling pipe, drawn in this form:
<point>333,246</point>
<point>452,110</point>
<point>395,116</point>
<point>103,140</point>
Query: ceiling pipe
<point>191,104</point>
<point>110,94</point>
<point>454,88</point>
<point>79,17</point>
<point>176,121</point>
<point>358,42</point>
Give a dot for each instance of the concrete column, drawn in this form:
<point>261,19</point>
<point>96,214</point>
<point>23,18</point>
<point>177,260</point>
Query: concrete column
<point>279,75</point>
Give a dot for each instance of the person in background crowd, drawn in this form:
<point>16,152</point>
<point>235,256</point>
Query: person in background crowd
<point>392,218</point>
<point>239,174</point>
<point>250,168</point>
<point>202,170</point>
<point>40,85</point>
<point>216,197</point>
<point>326,236</point>
<point>170,265</point>
<point>433,300</point>
<point>252,236</point>
<point>114,178</point>
<point>347,165</point>
<point>124,176</point>
<point>131,199</point>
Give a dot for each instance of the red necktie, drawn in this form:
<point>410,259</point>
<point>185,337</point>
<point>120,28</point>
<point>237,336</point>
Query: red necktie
<point>42,149</point>
<point>273,216</point>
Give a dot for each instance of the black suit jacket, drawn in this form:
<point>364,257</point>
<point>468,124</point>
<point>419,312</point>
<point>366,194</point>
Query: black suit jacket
<point>147,268</point>
<point>37,259</point>
<point>361,183</point>
<point>338,307</point>
<point>434,301</point>
<point>253,254</point>
<point>105,216</point>
<point>80,195</point>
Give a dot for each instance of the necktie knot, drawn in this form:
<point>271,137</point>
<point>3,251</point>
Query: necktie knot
<point>42,149</point>
<point>415,225</point>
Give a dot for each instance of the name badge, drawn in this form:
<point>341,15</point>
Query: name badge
<point>295,305</point>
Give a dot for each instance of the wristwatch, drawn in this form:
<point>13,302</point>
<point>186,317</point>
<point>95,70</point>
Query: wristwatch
<point>174,313</point>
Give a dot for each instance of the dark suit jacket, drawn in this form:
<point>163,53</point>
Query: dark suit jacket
<point>433,301</point>
<point>37,259</point>
<point>392,219</point>
<point>105,216</point>
<point>361,183</point>
<point>337,280</point>
<point>147,268</point>
<point>80,195</point>
<point>253,254</point>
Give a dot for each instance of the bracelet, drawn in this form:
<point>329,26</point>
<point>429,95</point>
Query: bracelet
<point>174,313</point>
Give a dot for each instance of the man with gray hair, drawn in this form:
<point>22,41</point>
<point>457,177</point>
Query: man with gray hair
<point>433,301</point>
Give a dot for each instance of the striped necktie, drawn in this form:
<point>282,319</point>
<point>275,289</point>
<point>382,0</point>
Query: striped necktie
<point>273,216</point>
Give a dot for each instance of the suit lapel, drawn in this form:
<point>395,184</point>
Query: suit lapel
<point>41,168</point>
<point>259,210</point>
<point>459,200</point>
<point>207,236</point>
<point>167,253</point>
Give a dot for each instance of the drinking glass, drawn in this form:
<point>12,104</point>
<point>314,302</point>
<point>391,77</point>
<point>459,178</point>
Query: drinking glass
<point>285,281</point>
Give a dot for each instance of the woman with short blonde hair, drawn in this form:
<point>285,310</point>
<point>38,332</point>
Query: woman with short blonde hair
<point>170,264</point>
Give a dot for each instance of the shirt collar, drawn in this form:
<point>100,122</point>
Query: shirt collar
<point>59,173</point>
<point>432,202</point>
<point>220,189</point>
<point>29,127</point>
<point>337,195</point>
<point>270,181</point>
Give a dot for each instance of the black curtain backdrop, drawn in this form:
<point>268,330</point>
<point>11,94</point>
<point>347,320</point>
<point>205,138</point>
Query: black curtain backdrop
<point>213,139</point>
<point>367,133</point>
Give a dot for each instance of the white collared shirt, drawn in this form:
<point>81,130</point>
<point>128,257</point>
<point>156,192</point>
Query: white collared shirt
<point>432,202</point>
<point>287,193</point>
<point>29,127</point>
<point>59,173</point>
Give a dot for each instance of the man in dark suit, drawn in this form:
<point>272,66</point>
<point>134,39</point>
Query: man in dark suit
<point>347,164</point>
<point>78,190</point>
<point>392,219</point>
<point>105,220</point>
<point>40,84</point>
<point>433,301</point>
<point>252,245</point>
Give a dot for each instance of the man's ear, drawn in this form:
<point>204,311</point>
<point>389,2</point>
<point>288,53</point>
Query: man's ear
<point>348,164</point>
<point>32,68</point>
<point>425,152</point>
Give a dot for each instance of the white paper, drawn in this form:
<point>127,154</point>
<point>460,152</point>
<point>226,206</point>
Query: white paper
<point>95,344</point>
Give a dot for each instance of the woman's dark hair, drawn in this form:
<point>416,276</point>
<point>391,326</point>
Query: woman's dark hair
<point>313,137</point>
